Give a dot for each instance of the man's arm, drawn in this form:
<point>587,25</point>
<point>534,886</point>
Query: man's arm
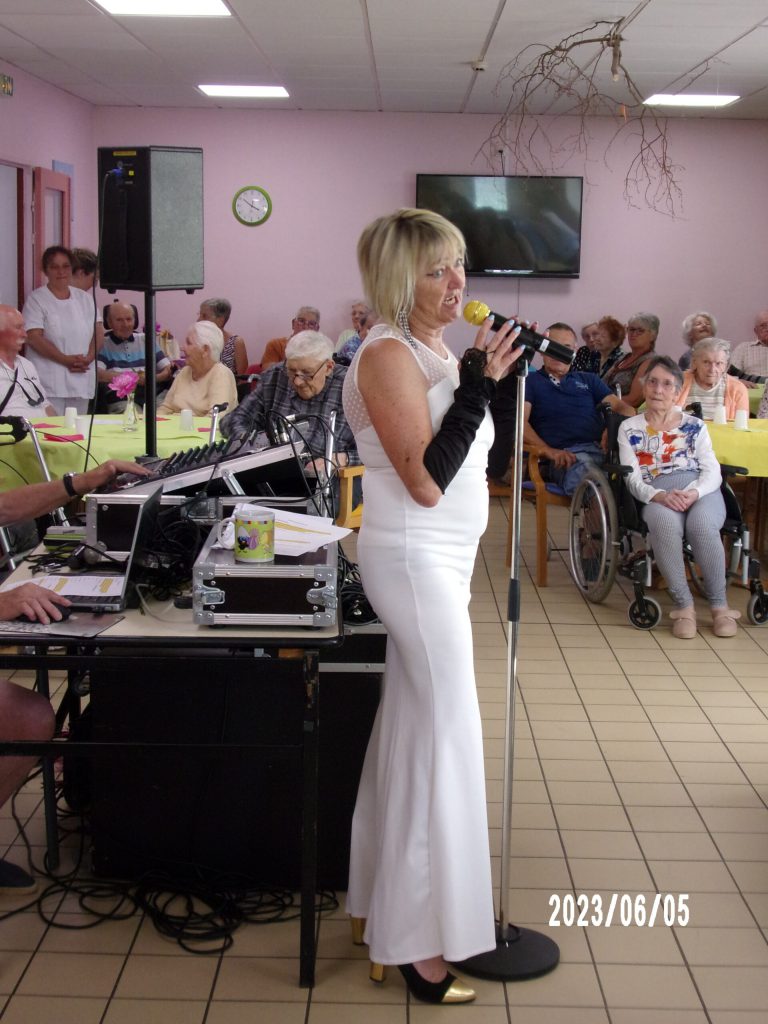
<point>619,406</point>
<point>37,499</point>
<point>561,458</point>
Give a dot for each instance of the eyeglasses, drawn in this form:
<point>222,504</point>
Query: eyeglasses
<point>636,330</point>
<point>664,385</point>
<point>311,325</point>
<point>302,375</point>
<point>34,399</point>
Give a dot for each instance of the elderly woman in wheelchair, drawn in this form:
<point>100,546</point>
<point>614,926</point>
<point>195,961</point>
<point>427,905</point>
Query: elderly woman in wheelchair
<point>676,475</point>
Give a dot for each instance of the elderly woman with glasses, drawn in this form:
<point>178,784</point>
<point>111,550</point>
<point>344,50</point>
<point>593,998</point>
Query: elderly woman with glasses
<point>628,372</point>
<point>676,475</point>
<point>708,383</point>
<point>204,381</point>
<point>308,384</point>
<point>696,327</point>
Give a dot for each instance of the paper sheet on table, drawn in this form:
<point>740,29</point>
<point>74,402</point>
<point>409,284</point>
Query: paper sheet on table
<point>83,584</point>
<point>296,532</point>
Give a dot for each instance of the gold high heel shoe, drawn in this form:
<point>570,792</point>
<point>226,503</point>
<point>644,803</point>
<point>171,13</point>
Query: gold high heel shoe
<point>450,990</point>
<point>358,928</point>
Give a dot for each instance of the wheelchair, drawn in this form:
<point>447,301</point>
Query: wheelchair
<point>607,536</point>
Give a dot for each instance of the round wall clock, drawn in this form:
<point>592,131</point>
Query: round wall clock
<point>252,205</point>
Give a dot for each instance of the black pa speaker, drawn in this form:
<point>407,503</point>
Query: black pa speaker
<point>151,218</point>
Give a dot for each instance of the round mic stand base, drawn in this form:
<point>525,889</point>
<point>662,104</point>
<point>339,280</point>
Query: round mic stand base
<point>520,954</point>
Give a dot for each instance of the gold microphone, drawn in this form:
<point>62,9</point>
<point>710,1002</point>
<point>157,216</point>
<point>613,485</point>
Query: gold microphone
<point>477,313</point>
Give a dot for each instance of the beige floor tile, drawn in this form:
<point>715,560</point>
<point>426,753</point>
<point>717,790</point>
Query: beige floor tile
<point>571,985</point>
<point>720,772</point>
<point>276,980</point>
<point>168,977</point>
<point>719,910</point>
<point>657,1016</point>
<point>62,974</point>
<point>666,819</point>
<point>583,792</point>
<point>735,819</point>
<point>291,1013</point>
<point>739,947</point>
<point>629,750</point>
<point>47,1009</point>
<point>711,794</point>
<point>654,794</point>
<point>561,769</point>
<point>558,1015</point>
<point>644,771</point>
<point>700,876</point>
<point>733,988</point>
<point>682,846</point>
<point>737,846</point>
<point>634,945</point>
<point>647,986</point>
<point>601,845</point>
<point>751,876</point>
<point>155,1011</point>
<point>609,819</point>
<point>21,932</point>
<point>590,874</point>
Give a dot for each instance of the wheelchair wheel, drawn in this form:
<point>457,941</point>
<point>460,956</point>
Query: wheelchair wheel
<point>757,609</point>
<point>645,613</point>
<point>593,541</point>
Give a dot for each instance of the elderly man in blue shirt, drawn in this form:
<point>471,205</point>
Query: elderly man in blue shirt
<point>563,414</point>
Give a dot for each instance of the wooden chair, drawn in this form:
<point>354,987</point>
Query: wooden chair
<point>347,516</point>
<point>542,494</point>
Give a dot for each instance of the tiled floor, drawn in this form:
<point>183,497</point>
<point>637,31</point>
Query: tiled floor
<point>641,766</point>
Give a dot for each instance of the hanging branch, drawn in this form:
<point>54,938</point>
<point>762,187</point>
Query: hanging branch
<point>539,72</point>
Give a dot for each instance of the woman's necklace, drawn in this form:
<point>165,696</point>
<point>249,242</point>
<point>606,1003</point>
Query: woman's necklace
<point>405,327</point>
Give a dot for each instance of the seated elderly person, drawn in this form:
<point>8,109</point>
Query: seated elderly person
<point>708,383</point>
<point>366,321</point>
<point>309,384</point>
<point>752,356</point>
<point>307,319</point>
<point>21,393</point>
<point>563,415</point>
<point>124,349</point>
<point>696,327</point>
<point>677,476</point>
<point>234,354</point>
<point>628,372</point>
<point>204,381</point>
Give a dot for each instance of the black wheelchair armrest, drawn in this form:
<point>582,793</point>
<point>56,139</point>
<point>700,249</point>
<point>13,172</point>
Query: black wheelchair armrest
<point>734,471</point>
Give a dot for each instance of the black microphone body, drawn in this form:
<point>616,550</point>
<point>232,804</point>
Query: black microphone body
<point>477,313</point>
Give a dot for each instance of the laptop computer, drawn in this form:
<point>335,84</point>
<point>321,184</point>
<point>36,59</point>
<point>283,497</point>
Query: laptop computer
<point>102,589</point>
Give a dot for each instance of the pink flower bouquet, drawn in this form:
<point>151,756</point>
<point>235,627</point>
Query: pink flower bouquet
<point>124,383</point>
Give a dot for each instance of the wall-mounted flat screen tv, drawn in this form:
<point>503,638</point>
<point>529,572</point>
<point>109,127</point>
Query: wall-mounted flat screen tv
<point>515,226</point>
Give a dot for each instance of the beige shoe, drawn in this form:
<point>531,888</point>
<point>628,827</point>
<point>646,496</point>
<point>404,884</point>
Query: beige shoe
<point>683,623</point>
<point>724,621</point>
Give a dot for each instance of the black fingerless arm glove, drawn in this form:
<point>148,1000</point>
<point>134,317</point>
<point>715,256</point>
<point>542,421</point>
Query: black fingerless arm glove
<point>446,452</point>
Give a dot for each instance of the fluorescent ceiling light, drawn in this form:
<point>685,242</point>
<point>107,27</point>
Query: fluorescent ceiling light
<point>166,8</point>
<point>664,99</point>
<point>267,91</point>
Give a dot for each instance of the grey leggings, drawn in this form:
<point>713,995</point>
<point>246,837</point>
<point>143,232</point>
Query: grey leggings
<point>701,526</point>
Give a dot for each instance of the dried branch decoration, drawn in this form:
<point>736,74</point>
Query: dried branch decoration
<point>578,90</point>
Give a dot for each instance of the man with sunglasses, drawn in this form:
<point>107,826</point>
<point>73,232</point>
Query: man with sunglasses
<point>307,319</point>
<point>21,393</point>
<point>307,385</point>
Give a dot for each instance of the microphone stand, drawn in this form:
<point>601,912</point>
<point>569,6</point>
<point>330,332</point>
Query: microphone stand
<point>520,953</point>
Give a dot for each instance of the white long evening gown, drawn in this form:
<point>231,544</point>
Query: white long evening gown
<point>420,864</point>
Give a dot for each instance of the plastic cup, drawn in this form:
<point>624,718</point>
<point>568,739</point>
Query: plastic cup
<point>70,417</point>
<point>741,420</point>
<point>186,420</point>
<point>719,416</point>
<point>82,425</point>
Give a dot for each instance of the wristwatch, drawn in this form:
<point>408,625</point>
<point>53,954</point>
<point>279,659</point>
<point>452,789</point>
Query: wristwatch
<point>69,485</point>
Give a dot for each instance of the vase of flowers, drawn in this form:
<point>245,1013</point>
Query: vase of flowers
<point>124,386</point>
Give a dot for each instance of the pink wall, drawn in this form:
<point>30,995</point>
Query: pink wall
<point>330,173</point>
<point>39,124</point>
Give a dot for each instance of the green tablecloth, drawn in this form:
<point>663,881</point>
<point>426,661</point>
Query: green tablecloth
<point>19,463</point>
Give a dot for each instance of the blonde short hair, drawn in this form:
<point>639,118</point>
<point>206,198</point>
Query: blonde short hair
<point>395,249</point>
<point>205,332</point>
